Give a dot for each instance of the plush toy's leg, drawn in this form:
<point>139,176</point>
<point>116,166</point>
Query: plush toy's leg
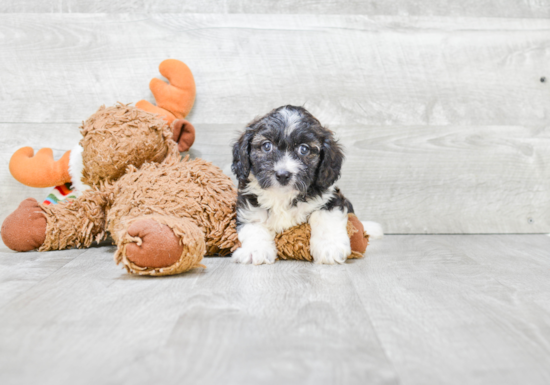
<point>75,224</point>
<point>159,245</point>
<point>56,227</point>
<point>25,228</point>
<point>294,243</point>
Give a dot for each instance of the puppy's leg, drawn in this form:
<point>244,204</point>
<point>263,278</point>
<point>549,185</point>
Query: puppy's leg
<point>329,238</point>
<point>257,245</point>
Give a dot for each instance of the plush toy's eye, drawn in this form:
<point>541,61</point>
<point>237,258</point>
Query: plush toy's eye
<point>303,149</point>
<point>267,146</point>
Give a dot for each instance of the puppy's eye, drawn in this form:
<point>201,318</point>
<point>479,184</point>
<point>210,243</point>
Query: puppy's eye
<point>267,146</point>
<point>303,149</point>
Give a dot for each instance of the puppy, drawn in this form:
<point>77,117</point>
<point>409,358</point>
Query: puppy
<point>286,164</point>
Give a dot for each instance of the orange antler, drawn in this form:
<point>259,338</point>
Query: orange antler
<point>39,170</point>
<point>174,100</point>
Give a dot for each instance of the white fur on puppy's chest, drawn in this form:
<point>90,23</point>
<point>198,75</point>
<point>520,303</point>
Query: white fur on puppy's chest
<point>276,211</point>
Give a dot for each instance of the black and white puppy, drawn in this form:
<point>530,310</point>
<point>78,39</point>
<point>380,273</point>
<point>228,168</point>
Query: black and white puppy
<point>286,164</point>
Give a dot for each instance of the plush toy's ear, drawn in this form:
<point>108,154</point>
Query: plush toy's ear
<point>241,156</point>
<point>183,134</point>
<point>40,170</point>
<point>174,100</point>
<point>332,158</point>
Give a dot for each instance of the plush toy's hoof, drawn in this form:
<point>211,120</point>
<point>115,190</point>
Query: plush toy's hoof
<point>25,228</point>
<point>159,245</point>
<point>358,240</point>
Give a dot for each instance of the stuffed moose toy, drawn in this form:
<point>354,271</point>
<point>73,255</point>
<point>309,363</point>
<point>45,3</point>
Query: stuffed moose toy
<point>128,179</point>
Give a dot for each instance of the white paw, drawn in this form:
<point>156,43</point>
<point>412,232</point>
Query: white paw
<point>256,253</point>
<point>330,249</point>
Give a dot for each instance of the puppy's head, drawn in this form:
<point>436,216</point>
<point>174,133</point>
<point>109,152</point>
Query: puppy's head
<point>288,149</point>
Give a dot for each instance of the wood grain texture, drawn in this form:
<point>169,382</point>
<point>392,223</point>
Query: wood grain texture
<point>417,310</point>
<point>345,69</point>
<point>90,322</point>
<point>460,309</point>
<point>472,8</point>
<point>431,179</point>
<point>444,120</point>
<point>428,179</point>
<point>19,272</point>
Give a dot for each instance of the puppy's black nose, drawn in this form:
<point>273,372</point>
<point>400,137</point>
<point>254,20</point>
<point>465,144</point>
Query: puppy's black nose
<point>283,177</point>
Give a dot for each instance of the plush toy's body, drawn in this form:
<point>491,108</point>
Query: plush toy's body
<point>163,217</point>
<point>164,213</point>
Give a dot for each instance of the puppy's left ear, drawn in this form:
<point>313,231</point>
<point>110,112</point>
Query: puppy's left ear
<point>241,156</point>
<point>332,158</point>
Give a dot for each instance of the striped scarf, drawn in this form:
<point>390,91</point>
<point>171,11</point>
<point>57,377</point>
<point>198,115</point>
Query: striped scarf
<point>63,193</point>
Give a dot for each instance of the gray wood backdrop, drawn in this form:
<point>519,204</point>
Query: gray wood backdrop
<point>439,104</point>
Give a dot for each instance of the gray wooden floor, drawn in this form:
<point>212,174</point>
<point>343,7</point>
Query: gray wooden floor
<point>419,309</point>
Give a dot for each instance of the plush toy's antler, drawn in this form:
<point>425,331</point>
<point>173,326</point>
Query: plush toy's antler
<point>39,170</point>
<point>174,100</point>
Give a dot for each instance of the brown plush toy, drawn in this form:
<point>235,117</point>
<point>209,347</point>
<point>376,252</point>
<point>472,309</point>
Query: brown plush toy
<point>164,213</point>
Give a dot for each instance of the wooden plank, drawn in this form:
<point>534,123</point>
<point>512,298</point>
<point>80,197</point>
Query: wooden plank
<point>443,172</point>
<point>21,271</point>
<point>91,323</point>
<point>460,309</point>
<point>346,69</point>
<point>417,310</point>
<point>526,272</point>
<point>470,8</point>
<point>431,179</point>
<point>453,179</point>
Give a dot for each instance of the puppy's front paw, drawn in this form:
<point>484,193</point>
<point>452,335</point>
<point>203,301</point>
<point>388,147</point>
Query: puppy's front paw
<point>256,253</point>
<point>330,249</point>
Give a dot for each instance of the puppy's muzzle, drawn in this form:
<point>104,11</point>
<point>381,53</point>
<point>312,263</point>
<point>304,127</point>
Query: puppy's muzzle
<point>283,177</point>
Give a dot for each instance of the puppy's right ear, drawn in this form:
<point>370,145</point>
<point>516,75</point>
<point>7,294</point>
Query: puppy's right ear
<point>241,156</point>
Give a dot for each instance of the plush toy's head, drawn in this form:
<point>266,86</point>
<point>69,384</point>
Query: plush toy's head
<point>112,139</point>
<point>115,137</point>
